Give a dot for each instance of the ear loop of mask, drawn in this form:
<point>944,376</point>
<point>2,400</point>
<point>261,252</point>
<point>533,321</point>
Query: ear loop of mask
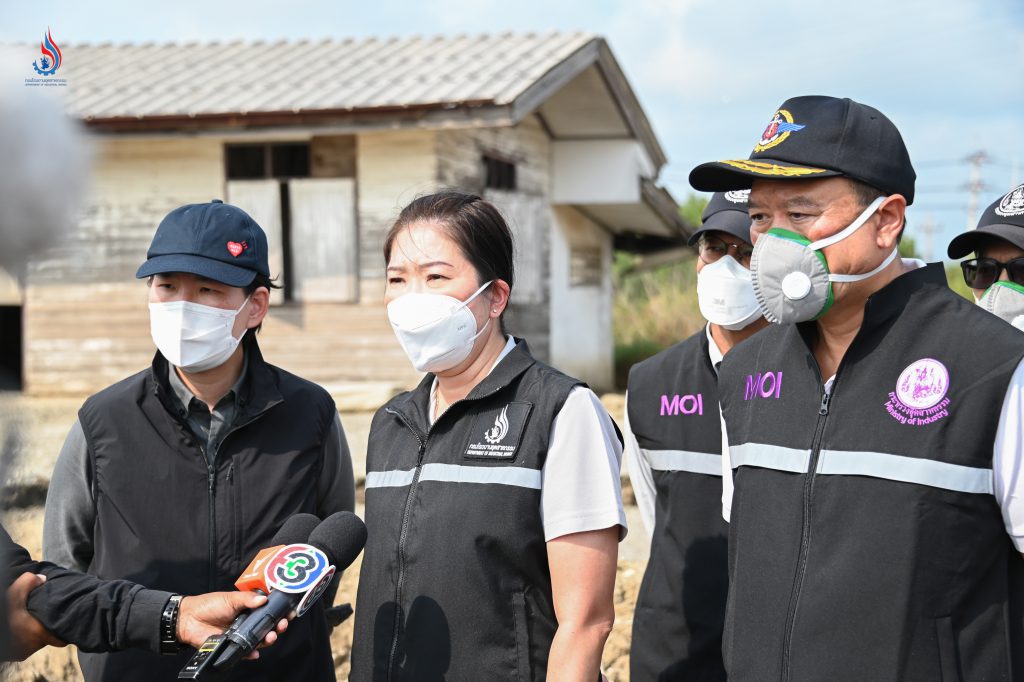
<point>465,304</point>
<point>856,278</point>
<point>849,229</point>
<point>846,232</point>
<point>477,293</point>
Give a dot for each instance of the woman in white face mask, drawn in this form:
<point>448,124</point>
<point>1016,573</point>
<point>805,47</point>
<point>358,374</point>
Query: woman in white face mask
<point>492,489</point>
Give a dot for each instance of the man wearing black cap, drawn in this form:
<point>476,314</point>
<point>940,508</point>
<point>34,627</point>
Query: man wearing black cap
<point>176,476</point>
<point>673,449</point>
<point>867,539</point>
<point>997,272</point>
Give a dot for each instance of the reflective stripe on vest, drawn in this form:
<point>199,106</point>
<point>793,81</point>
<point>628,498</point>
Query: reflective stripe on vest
<point>456,473</point>
<point>770,457</point>
<point>683,460</point>
<point>929,472</point>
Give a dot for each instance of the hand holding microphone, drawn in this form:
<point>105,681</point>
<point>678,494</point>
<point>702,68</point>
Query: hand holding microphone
<point>205,615</point>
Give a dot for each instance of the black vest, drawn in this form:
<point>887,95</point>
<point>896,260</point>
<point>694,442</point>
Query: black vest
<point>455,583</point>
<point>169,521</point>
<point>673,412</point>
<point>865,543</point>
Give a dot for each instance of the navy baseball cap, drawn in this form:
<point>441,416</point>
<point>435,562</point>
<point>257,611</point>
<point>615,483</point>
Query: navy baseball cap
<point>215,240</point>
<point>1004,218</point>
<point>725,212</point>
<point>818,137</point>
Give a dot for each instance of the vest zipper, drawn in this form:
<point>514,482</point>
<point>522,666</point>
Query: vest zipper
<point>211,485</point>
<point>805,531</point>
<point>211,477</point>
<point>406,513</point>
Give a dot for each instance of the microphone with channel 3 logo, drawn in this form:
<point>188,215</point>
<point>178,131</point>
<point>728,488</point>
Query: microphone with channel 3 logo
<point>295,530</point>
<point>294,577</point>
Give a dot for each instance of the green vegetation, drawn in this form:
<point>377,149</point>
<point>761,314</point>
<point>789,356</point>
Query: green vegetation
<point>908,248</point>
<point>653,309</point>
<point>692,208</point>
<point>956,281</point>
<point>955,278</point>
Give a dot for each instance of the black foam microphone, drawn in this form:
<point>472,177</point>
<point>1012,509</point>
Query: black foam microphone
<point>299,575</point>
<point>296,529</point>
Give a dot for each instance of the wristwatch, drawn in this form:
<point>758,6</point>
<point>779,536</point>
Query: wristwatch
<point>169,626</point>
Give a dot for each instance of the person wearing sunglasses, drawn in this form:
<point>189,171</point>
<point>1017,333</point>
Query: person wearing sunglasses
<point>996,273</point>
<point>673,451</point>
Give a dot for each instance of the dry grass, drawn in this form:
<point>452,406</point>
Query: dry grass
<point>653,309</point>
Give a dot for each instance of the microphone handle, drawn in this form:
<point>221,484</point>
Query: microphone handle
<point>248,635</point>
<point>240,618</point>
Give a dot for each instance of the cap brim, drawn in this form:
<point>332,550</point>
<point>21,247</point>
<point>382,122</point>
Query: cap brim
<point>736,223</point>
<point>730,174</point>
<point>225,273</point>
<point>966,243</point>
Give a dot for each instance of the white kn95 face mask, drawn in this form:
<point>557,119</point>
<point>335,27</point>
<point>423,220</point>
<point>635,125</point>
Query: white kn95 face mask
<point>193,336</point>
<point>436,331</point>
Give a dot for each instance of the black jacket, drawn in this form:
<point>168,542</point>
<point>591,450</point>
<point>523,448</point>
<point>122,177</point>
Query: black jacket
<point>455,582</point>
<point>680,610</point>
<point>93,614</point>
<point>865,542</point>
<point>168,519</point>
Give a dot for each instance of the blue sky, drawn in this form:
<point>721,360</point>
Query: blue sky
<point>950,73</point>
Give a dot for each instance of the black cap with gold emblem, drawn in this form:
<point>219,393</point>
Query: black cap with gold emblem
<point>818,137</point>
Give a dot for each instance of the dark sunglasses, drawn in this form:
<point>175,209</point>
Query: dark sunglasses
<point>711,249</point>
<point>981,273</point>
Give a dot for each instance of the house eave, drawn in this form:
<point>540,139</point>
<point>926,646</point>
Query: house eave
<point>433,115</point>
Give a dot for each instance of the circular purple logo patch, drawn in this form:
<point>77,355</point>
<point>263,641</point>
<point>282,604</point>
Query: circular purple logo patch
<point>923,384</point>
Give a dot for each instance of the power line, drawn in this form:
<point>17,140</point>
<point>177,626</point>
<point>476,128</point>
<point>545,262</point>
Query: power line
<point>936,164</point>
<point>928,229</point>
<point>975,186</point>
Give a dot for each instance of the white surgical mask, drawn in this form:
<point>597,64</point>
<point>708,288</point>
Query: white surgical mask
<point>436,331</point>
<point>726,295</point>
<point>1005,300</point>
<point>792,280</point>
<point>192,336</point>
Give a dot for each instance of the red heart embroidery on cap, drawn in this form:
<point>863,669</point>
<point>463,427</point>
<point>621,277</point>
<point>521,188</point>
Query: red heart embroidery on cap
<point>236,248</point>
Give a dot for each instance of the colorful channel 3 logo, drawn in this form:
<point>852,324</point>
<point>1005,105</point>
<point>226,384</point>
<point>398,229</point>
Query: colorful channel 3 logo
<point>51,60</point>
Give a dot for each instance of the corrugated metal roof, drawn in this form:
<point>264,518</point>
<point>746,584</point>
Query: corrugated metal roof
<point>130,81</point>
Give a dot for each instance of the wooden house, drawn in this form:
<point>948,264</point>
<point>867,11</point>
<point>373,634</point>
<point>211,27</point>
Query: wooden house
<point>323,143</point>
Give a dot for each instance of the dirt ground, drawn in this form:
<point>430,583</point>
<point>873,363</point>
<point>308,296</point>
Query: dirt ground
<point>60,665</point>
